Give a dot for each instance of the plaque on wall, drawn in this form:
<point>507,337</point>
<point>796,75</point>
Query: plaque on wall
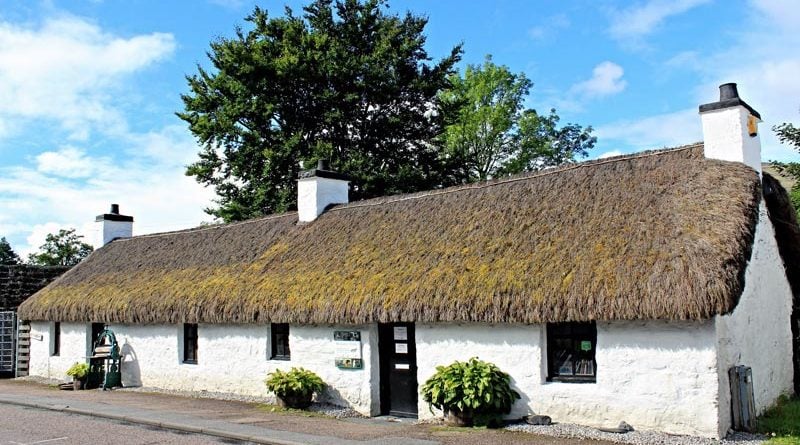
<point>401,348</point>
<point>400,333</point>
<point>348,349</point>
<point>349,363</point>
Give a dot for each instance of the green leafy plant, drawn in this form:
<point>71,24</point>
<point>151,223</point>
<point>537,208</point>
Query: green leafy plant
<point>78,370</point>
<point>297,382</point>
<point>475,389</point>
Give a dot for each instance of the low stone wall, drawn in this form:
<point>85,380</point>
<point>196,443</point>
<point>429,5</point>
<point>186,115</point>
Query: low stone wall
<point>20,282</point>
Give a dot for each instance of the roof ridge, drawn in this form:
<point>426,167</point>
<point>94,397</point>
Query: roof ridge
<point>381,200</point>
<point>211,227</point>
<point>524,177</point>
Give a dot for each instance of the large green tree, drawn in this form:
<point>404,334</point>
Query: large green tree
<point>346,81</point>
<point>7,255</point>
<point>489,132</point>
<point>789,134</point>
<point>64,248</point>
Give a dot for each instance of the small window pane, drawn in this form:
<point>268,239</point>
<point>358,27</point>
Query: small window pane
<point>190,343</point>
<point>56,339</point>
<point>571,352</point>
<point>280,341</point>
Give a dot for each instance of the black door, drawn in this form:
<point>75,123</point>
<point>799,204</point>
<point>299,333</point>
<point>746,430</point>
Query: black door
<point>398,357</point>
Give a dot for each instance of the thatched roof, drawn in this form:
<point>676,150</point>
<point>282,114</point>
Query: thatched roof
<point>657,235</point>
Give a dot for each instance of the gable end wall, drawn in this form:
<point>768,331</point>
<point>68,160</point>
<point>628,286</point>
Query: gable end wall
<point>758,332</point>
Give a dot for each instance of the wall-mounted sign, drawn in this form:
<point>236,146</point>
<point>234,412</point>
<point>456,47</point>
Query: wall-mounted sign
<point>400,333</point>
<point>348,349</point>
<point>37,337</point>
<point>349,363</point>
<point>401,348</point>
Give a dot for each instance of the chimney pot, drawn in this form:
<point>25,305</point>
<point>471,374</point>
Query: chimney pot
<point>114,209</point>
<point>728,91</point>
<point>322,164</point>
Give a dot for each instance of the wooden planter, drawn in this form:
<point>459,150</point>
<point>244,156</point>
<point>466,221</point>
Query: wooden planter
<point>78,384</point>
<point>455,417</point>
<point>296,401</point>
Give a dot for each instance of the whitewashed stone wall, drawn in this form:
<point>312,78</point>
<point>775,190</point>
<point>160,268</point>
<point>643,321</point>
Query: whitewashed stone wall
<point>74,348</point>
<point>654,375</point>
<point>758,332</point>
<point>231,358</point>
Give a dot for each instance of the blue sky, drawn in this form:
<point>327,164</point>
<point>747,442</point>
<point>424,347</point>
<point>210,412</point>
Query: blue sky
<point>88,89</point>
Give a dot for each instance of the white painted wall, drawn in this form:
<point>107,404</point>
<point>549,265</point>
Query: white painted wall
<point>315,193</point>
<point>231,358</point>
<point>758,332</point>
<point>115,229</point>
<point>74,348</point>
<point>726,137</point>
<point>654,375</point>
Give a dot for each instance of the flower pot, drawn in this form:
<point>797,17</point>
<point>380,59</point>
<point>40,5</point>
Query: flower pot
<point>77,383</point>
<point>455,417</point>
<point>296,401</point>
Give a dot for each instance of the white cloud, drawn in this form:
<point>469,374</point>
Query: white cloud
<point>640,20</point>
<point>606,80</point>
<point>68,162</point>
<point>68,70</point>
<point>43,197</point>
<point>549,27</point>
<point>664,130</point>
<point>610,154</point>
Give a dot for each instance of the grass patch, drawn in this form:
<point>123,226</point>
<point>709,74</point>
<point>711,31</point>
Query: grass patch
<point>276,409</point>
<point>782,422</point>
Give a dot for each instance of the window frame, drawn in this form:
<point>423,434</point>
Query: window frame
<point>574,332</point>
<point>190,336</point>
<point>278,335</point>
<point>55,345</point>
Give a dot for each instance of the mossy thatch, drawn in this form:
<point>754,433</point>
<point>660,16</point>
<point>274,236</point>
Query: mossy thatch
<point>657,235</point>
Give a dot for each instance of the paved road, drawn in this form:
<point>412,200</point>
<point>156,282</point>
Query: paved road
<point>27,426</point>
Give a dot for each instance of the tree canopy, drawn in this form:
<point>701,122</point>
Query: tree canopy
<point>7,255</point>
<point>490,133</point>
<point>789,134</point>
<point>64,248</point>
<point>350,82</point>
<point>345,81</point>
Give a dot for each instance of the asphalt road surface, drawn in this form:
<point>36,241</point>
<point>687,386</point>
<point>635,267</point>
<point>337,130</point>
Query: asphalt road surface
<point>28,426</point>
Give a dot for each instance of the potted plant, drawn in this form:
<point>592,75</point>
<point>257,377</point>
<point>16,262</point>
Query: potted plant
<point>294,388</point>
<point>78,372</point>
<point>472,392</point>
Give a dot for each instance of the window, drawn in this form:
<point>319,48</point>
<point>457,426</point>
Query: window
<point>279,335</point>
<point>570,352</point>
<point>189,343</point>
<point>55,347</point>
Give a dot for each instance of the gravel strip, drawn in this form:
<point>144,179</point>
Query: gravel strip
<point>571,431</point>
<point>42,380</point>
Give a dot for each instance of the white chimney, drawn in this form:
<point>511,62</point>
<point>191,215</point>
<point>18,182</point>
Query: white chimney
<point>115,225</point>
<point>317,189</point>
<point>730,129</point>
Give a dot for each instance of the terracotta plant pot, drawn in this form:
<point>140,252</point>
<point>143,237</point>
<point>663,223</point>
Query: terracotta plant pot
<point>77,383</point>
<point>296,401</point>
<point>454,417</point>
